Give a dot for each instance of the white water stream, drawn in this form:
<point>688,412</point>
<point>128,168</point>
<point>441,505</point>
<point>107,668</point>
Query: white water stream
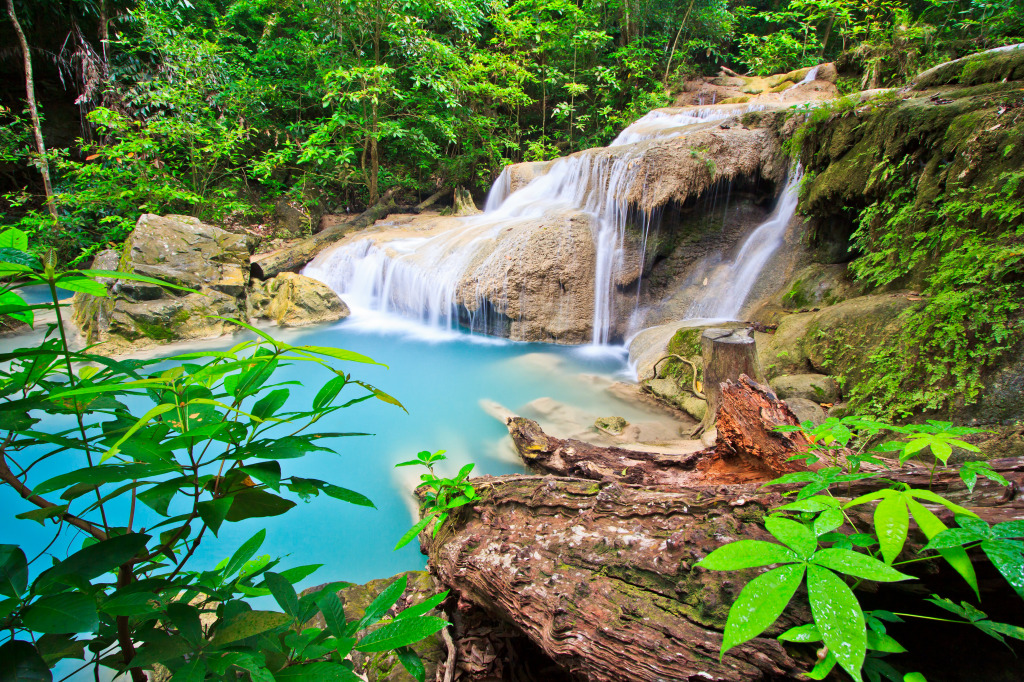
<point>432,278</point>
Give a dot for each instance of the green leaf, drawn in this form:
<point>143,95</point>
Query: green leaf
<point>1008,560</point>
<point>142,421</point>
<point>161,649</point>
<point>83,285</point>
<point>878,641</point>
<point>858,565</point>
<point>760,604</point>
<point>346,495</point>
<point>747,554</point>
<point>412,663</point>
<point>956,557</point>
<point>13,571</point>
<point>265,472</point>
<point>794,534</point>
<point>193,671</point>
<point>20,662</point>
<point>334,614</point>
<point>384,601</point>
<point>828,521</point>
<point>248,624</point>
<point>326,395</point>
<point>92,561</point>
<point>801,633</point>
<point>1009,529</point>
<point>19,257</point>
<point>839,618</point>
<point>414,531</point>
<point>13,238</point>
<point>317,672</point>
<point>185,618</point>
<point>892,522</point>
<point>114,274</point>
<point>914,677</point>
<point>423,607</point>
<point>213,512</point>
<point>822,667</point>
<point>251,504</point>
<point>284,593</point>
<point>268,405</point>
<point>401,633</point>
<point>42,514</point>
<point>336,353</point>
<point>244,553</point>
<point>68,612</point>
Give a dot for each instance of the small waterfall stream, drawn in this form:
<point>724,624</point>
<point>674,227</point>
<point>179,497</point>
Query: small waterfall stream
<point>730,282</point>
<point>432,278</point>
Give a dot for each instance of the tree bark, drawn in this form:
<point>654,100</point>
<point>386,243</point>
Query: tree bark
<point>728,353</point>
<point>293,258</point>
<point>30,98</point>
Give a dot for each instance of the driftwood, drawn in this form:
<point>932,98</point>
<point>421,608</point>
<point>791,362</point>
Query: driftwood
<point>293,258</point>
<point>598,570</point>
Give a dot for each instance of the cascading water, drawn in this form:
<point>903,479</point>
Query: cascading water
<point>423,277</point>
<point>730,283</point>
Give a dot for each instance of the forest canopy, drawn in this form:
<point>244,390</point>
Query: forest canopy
<point>219,109</point>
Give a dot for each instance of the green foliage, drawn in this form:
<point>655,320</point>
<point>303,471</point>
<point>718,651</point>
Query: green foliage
<point>206,452</point>
<point>441,496</point>
<point>815,548</point>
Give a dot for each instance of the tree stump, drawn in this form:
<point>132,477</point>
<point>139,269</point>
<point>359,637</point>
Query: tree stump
<point>728,353</point>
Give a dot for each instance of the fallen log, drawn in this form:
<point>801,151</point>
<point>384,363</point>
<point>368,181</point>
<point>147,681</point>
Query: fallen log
<point>295,257</point>
<point>747,448</point>
<point>599,576</point>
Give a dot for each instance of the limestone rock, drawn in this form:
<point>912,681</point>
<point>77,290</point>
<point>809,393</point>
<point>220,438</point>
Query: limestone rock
<point>293,300</point>
<point>612,425</point>
<point>818,388</point>
<point>291,219</point>
<point>180,250</point>
<point>806,410</point>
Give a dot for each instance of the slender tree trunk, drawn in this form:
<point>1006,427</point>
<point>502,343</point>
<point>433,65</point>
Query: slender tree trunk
<point>828,34</point>
<point>668,66</point>
<point>30,97</point>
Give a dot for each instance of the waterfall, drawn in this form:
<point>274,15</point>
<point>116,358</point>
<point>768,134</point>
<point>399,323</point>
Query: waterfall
<point>811,75</point>
<point>730,283</point>
<point>437,278</point>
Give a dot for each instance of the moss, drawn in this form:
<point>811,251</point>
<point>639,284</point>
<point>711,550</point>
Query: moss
<point>154,331</point>
<point>741,99</point>
<point>783,86</point>
<point>796,297</point>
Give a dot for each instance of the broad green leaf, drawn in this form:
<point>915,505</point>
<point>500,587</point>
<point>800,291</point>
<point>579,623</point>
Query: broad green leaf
<point>92,561</point>
<point>336,353</point>
<point>384,601</point>
<point>13,571</point>
<point>954,537</point>
<point>265,472</point>
<point>878,641</point>
<point>747,554</point>
<point>268,405</point>
<point>828,521</point>
<point>412,663</point>
<point>194,670</point>
<point>839,618</point>
<point>247,625</point>
<point>401,633</point>
<point>20,662</point>
<point>257,504</point>
<point>1009,529</point>
<point>160,649</point>
<point>185,618</point>
<point>760,604</point>
<point>131,604</point>
<point>858,565</point>
<point>914,677</point>
<point>822,667</point>
<point>1008,560</point>
<point>346,495</point>
<point>892,522</point>
<point>334,614</point>
<point>244,553</point>
<point>794,534</point>
<point>213,512</point>
<point>83,285</point>
<point>956,557</point>
<point>929,496</point>
<point>326,395</point>
<point>13,238</point>
<point>19,257</point>
<point>68,612</point>
<point>317,672</point>
<point>283,592</point>
<point>43,514</point>
<point>55,648</point>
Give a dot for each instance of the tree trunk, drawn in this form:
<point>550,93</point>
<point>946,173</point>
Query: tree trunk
<point>728,353</point>
<point>30,98</point>
<point>668,66</point>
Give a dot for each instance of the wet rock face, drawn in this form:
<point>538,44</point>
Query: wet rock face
<point>293,300</point>
<point>180,250</point>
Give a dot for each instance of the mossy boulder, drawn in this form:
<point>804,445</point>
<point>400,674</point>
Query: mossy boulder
<point>818,285</point>
<point>818,388</point>
<point>180,250</point>
<point>293,300</point>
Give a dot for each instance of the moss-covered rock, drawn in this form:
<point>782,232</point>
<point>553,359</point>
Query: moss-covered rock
<point>293,300</point>
<point>818,388</point>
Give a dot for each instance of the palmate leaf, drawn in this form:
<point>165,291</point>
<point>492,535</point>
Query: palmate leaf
<point>760,604</point>
<point>839,618</point>
<point>956,557</point>
<point>858,565</point>
<point>1007,557</point>
<point>794,534</point>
